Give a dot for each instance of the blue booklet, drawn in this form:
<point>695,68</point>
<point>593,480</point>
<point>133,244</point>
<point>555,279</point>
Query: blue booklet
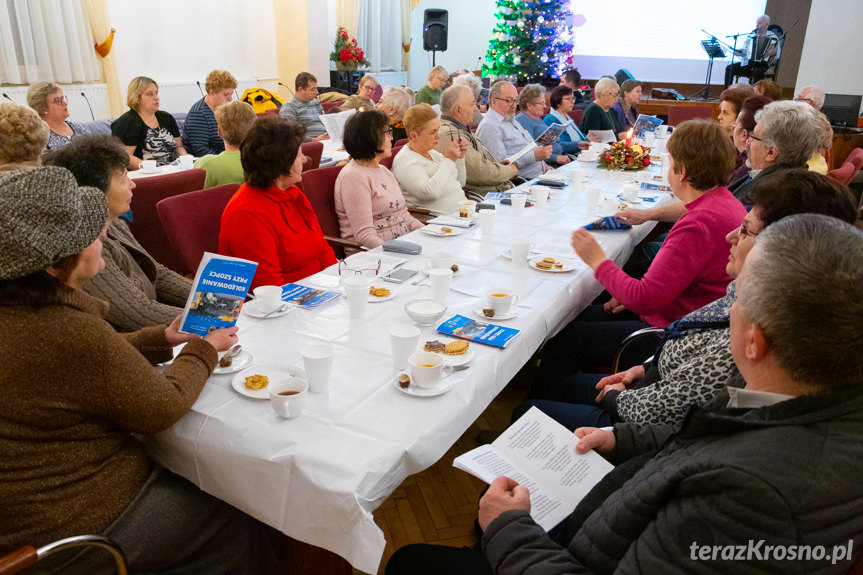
<point>660,187</point>
<point>303,296</point>
<point>220,286</point>
<point>608,223</point>
<point>478,331</point>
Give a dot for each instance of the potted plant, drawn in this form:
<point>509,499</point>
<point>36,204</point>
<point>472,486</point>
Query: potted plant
<point>346,54</point>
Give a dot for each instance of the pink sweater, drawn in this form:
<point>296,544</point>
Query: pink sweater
<point>370,206</point>
<point>689,270</point>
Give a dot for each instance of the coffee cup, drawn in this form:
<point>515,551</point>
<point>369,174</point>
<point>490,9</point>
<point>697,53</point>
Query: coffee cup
<point>148,165</point>
<point>644,176</point>
<point>267,298</point>
<point>441,260</point>
<point>630,192</point>
<point>356,289</point>
<point>501,301</point>
<point>608,206</point>
<point>318,362</point>
<point>187,161</point>
<point>427,369</point>
<point>404,338</point>
<point>288,396</point>
<point>596,148</point>
<point>466,208</point>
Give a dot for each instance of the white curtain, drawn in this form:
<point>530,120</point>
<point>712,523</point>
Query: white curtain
<point>46,40</point>
<point>347,12</point>
<point>379,33</point>
<point>406,7</point>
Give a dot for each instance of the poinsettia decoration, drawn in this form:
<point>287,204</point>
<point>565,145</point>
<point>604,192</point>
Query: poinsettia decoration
<point>622,157</point>
<point>345,50</point>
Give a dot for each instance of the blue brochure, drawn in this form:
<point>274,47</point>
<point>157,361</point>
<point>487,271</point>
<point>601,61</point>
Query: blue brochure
<point>478,331</point>
<point>220,286</point>
<point>660,187</point>
<point>307,297</point>
<point>607,223</point>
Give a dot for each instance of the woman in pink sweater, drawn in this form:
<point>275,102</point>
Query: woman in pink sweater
<point>687,273</point>
<point>369,202</point>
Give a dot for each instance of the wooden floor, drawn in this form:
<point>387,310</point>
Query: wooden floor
<point>439,504</point>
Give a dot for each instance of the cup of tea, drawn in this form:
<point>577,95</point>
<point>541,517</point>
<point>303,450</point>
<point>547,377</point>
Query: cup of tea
<point>501,301</point>
<point>466,208</point>
<point>267,298</point>
<point>148,165</point>
<point>630,192</point>
<point>427,369</point>
<point>288,396</point>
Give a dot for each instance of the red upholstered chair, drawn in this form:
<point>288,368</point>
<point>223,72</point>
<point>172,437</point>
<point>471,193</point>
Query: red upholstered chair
<point>327,106</point>
<point>845,173</point>
<point>399,143</point>
<point>388,162</point>
<point>379,91</point>
<point>576,115</point>
<point>145,225</point>
<point>319,187</point>
<point>192,222</point>
<point>677,114</point>
<point>313,150</point>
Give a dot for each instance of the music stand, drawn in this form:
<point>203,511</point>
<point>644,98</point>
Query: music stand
<point>713,50</point>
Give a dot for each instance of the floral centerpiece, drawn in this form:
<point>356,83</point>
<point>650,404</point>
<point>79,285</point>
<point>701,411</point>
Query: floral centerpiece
<point>346,54</point>
<point>620,156</point>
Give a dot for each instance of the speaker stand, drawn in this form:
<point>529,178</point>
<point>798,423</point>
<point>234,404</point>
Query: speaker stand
<point>433,58</point>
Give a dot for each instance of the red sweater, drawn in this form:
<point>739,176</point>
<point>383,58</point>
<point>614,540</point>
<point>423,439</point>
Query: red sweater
<point>689,270</point>
<point>279,230</point>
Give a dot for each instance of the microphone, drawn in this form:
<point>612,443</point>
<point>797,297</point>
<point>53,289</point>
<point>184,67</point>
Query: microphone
<point>237,96</point>
<point>5,95</point>
<point>92,117</point>
<point>199,87</point>
<point>478,63</point>
<point>289,90</point>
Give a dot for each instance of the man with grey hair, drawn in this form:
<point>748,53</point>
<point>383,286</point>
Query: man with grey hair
<point>812,95</point>
<point>504,136</point>
<point>774,464</point>
<point>484,173</point>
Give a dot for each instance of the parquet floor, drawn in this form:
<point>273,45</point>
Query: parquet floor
<point>439,504</point>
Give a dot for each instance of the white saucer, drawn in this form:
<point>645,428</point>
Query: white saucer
<point>243,359</point>
<point>452,360</point>
<point>434,230</point>
<point>581,158</point>
<point>143,171</point>
<point>568,265</point>
<point>271,370</point>
<point>513,312</point>
<point>442,387</point>
<point>383,284</point>
<point>251,309</point>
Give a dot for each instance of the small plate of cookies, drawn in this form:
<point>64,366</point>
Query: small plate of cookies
<point>253,381</point>
<point>433,230</point>
<point>381,293</point>
<point>550,264</point>
<point>455,351</point>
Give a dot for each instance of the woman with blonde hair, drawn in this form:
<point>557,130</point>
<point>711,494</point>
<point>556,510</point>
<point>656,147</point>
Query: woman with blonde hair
<point>22,137</point>
<point>599,116</point>
<point>52,106</point>
<point>428,178</point>
<point>147,132</point>
<point>394,102</point>
<point>431,92</point>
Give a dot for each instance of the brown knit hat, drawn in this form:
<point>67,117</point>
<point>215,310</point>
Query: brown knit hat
<point>45,217</point>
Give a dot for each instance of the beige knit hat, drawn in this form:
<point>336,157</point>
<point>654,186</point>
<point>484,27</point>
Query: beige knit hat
<point>44,217</point>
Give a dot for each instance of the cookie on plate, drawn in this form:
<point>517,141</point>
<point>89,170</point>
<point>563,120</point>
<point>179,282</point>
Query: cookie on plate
<point>456,347</point>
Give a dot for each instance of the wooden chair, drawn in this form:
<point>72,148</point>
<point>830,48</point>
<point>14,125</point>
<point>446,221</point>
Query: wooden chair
<point>319,187</point>
<point>145,225</point>
<point>576,115</point>
<point>192,222</point>
<point>313,150</point>
<point>27,556</point>
<point>388,162</point>
<point>845,173</point>
<point>678,114</point>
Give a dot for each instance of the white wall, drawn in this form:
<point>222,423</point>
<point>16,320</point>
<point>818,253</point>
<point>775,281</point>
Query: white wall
<point>471,23</point>
<point>832,47</point>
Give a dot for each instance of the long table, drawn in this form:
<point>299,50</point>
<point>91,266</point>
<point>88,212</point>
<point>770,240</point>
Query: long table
<point>319,477</point>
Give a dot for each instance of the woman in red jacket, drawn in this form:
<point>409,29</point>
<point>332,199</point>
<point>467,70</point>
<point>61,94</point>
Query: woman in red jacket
<point>269,220</point>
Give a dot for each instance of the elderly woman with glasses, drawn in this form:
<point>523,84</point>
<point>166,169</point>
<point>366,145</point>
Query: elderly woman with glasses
<point>52,106</point>
<point>369,201</point>
<point>531,103</point>
<point>599,116</point>
<point>741,128</point>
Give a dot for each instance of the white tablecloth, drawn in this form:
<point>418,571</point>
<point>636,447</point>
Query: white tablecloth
<point>319,477</point>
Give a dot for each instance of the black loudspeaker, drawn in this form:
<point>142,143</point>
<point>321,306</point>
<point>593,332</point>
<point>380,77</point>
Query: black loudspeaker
<point>435,29</point>
<point>623,75</point>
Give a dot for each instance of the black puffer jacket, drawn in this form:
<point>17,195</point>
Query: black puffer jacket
<point>788,474</point>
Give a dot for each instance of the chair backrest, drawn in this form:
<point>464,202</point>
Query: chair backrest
<point>27,556</point>
<point>319,186</point>
<point>576,115</point>
<point>388,162</point>
<point>843,174</point>
<point>192,222</point>
<point>379,91</point>
<point>678,114</point>
<point>328,105</point>
<point>145,225</point>
<point>399,143</point>
<point>856,158</point>
<point>314,150</point>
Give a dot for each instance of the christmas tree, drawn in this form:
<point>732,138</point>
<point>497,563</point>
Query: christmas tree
<point>532,40</point>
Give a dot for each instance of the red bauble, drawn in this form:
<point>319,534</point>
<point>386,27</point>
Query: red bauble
<point>628,160</point>
<point>646,161</point>
<point>607,158</point>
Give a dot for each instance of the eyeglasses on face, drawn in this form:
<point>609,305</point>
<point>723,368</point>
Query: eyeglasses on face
<point>752,136</point>
<point>509,101</point>
<point>744,230</point>
<point>59,100</point>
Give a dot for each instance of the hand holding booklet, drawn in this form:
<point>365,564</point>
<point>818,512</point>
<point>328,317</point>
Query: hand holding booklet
<point>539,453</point>
<point>220,286</point>
<point>547,138</point>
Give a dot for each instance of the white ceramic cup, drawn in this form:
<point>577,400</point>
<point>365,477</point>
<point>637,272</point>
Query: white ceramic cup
<point>441,260</point>
<point>318,363</point>
<point>592,198</point>
<point>267,298</point>
<point>518,202</point>
<point>148,165</point>
<point>187,161</point>
<point>540,195</point>
<point>294,401</point>
<point>440,280</point>
<point>608,206</point>
<point>597,148</point>
<point>630,192</point>
<point>404,338</point>
<point>426,369</point>
<point>357,293</point>
<point>501,301</point>
<point>486,222</point>
<point>468,205</point>
<point>518,250</point>
<point>644,176</point>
